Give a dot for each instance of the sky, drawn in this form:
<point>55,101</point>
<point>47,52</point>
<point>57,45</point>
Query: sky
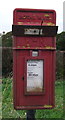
<point>7,7</point>
<point>64,15</point>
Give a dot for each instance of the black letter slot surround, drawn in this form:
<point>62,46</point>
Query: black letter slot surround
<point>29,30</point>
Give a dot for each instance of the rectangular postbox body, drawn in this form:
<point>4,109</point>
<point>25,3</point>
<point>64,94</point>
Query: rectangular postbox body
<point>34,46</point>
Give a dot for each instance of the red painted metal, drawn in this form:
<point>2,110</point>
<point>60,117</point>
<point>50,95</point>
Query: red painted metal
<point>23,46</point>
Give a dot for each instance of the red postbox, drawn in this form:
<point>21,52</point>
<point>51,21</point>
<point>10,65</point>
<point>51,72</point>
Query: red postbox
<point>34,46</point>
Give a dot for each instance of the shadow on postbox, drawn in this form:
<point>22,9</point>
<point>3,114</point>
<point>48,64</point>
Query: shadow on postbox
<point>34,54</point>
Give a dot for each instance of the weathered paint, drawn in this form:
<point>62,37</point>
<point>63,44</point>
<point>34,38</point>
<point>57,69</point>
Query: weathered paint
<point>23,47</point>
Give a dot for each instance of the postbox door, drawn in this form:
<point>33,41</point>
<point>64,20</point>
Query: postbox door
<point>27,94</point>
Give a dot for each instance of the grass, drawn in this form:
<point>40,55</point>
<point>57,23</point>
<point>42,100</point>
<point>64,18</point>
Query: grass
<point>57,112</point>
<point>9,112</point>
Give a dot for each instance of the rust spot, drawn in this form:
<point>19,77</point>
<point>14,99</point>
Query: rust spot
<point>51,24</point>
<point>23,46</point>
<point>20,23</point>
<point>28,47</point>
<point>37,89</point>
<point>18,46</point>
<point>46,15</point>
<point>47,106</point>
<point>47,47</point>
